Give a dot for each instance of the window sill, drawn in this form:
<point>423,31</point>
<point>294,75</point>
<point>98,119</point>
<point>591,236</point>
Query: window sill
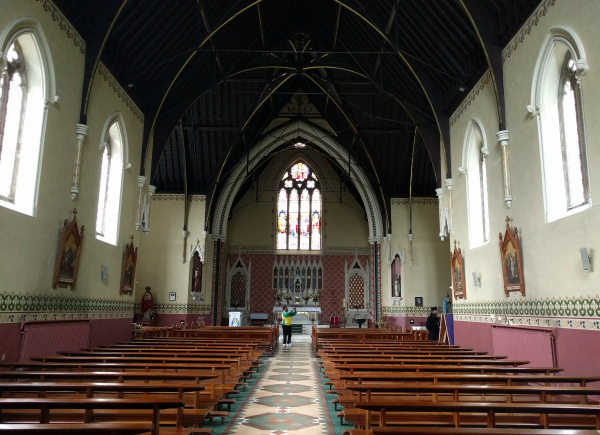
<point>297,252</point>
<point>479,245</point>
<point>568,213</point>
<point>18,208</point>
<point>108,240</point>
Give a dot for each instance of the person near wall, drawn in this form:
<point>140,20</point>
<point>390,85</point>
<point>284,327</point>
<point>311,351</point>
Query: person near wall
<point>433,324</point>
<point>287,326</point>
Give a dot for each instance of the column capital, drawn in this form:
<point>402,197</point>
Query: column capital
<point>141,181</point>
<point>439,192</point>
<point>151,189</point>
<point>81,130</point>
<point>449,183</point>
<point>502,136</point>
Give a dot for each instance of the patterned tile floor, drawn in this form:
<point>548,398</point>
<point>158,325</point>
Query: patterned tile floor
<point>287,397</point>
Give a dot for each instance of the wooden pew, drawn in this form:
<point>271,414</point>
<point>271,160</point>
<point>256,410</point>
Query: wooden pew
<point>120,390</point>
<point>456,392</point>
<point>390,430</point>
<point>268,336</point>
<point>89,405</point>
<point>75,429</point>
<point>545,414</point>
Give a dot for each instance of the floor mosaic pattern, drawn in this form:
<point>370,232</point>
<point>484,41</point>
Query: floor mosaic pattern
<point>287,397</point>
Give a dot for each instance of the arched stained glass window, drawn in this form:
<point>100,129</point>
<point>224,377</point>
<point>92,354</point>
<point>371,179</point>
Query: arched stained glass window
<point>299,210</point>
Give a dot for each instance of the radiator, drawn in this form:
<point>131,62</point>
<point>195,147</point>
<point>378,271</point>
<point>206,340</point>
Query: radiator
<point>531,344</point>
<point>43,339</point>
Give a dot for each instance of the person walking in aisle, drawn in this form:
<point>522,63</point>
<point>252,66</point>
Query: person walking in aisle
<point>287,326</point>
<point>433,324</point>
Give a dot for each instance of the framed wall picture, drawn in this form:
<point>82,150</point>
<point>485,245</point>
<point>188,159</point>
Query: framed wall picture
<point>128,270</point>
<point>69,251</point>
<point>172,296</point>
<point>512,263</point>
<point>457,267</point>
<point>419,301</point>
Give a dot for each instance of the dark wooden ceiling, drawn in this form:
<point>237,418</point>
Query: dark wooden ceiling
<point>210,75</point>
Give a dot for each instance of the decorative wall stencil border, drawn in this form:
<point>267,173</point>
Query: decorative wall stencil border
<point>116,87</point>
<point>584,307</point>
<point>531,22</point>
<point>418,201</point>
<point>406,311</point>
<point>173,197</point>
<point>64,24</point>
<point>181,308</point>
<point>266,249</point>
<point>346,250</point>
<point>21,307</point>
<point>28,317</point>
<point>548,322</point>
<point>479,86</point>
<point>251,249</point>
<point>23,303</point>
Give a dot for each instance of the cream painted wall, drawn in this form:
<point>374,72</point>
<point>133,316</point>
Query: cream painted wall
<point>160,264</point>
<point>428,276</point>
<point>344,222</point>
<point>33,241</point>
<point>551,260</point>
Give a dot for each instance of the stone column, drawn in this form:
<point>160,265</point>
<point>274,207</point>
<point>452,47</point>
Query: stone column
<point>503,141</point>
<point>81,131</point>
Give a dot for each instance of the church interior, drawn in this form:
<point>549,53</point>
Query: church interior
<point>192,165</point>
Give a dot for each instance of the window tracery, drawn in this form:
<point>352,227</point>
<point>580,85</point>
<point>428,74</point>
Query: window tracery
<point>25,85</point>
<point>299,210</point>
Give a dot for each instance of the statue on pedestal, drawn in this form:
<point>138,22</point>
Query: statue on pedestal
<point>147,304</point>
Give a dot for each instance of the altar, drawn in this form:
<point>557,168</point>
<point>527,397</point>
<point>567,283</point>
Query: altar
<point>303,314</point>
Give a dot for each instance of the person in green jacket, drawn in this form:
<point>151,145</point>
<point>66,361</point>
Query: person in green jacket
<point>287,326</point>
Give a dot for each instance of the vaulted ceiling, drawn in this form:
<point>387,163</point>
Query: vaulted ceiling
<point>211,75</point>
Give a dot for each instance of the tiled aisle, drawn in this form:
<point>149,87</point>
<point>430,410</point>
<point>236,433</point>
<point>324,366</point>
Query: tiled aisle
<point>288,397</point>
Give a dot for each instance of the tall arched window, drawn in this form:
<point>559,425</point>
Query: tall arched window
<point>557,101</point>
<point>24,94</point>
<point>299,210</point>
<point>475,169</point>
<point>111,177</point>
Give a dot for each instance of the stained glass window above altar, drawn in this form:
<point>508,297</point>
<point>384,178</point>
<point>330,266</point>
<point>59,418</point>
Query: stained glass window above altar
<point>299,210</point>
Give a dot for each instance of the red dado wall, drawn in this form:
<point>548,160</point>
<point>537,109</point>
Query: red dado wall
<point>403,322</point>
<point>262,294</point>
<point>102,331</point>
<point>576,349</point>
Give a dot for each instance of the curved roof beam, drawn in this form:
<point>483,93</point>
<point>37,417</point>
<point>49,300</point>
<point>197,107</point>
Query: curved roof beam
<point>357,135</point>
<point>92,55</point>
<point>148,133</point>
<point>486,25</point>
<point>432,94</point>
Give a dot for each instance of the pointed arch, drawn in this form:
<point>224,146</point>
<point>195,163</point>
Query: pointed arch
<point>278,137</point>
<point>28,86</point>
<point>114,151</point>
<point>558,106</point>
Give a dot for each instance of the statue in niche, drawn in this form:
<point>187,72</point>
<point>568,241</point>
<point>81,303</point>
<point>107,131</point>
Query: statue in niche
<point>396,286</point>
<point>197,280</point>
<point>147,303</point>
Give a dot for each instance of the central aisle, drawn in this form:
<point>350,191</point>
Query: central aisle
<point>288,396</point>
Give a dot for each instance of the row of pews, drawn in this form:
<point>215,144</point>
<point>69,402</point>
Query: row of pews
<point>387,386</point>
<point>152,386</point>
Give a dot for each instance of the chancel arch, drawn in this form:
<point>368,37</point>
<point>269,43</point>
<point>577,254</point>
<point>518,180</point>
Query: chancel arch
<point>326,144</point>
